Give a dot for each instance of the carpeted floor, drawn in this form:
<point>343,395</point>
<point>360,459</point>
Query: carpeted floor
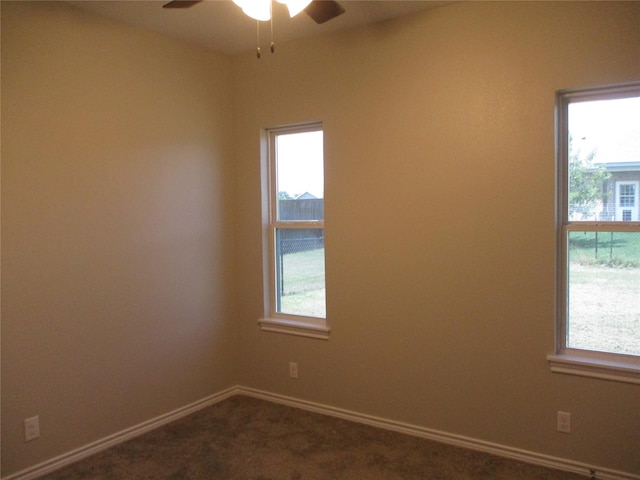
<point>246,438</point>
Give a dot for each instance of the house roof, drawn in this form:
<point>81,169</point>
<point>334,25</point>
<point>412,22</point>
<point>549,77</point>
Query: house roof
<point>620,166</point>
<point>306,196</point>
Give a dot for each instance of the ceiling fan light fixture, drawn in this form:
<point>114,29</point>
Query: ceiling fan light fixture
<point>295,6</point>
<point>257,9</point>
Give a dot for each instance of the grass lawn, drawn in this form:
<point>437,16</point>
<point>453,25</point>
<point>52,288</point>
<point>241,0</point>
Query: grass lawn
<point>605,248</point>
<point>303,287</point>
<point>605,309</point>
<point>604,294</point>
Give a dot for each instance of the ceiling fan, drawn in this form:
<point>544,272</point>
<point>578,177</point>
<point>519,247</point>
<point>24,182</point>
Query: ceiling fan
<point>320,11</point>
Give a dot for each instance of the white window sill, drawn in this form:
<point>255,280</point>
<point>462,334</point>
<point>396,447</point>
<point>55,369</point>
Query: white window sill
<point>294,327</point>
<point>595,368</point>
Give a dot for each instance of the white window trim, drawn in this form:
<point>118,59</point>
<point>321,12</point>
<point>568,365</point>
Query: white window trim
<point>575,362</point>
<point>294,327</point>
<point>272,321</point>
<point>585,363</point>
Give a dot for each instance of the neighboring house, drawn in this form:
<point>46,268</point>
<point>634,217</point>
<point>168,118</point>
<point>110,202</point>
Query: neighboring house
<point>620,199</point>
<point>621,191</point>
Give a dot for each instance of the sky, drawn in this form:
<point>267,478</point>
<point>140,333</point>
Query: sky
<point>611,127</point>
<point>301,163</point>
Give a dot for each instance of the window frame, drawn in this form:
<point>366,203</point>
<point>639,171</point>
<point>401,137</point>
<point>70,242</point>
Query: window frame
<point>588,363</point>
<point>274,321</point>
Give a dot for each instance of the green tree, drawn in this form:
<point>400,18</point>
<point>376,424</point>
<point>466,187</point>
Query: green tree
<point>585,182</point>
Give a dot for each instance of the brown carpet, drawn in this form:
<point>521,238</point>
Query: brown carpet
<point>246,438</point>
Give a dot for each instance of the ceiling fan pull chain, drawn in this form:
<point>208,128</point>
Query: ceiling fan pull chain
<point>273,45</point>
<point>258,53</point>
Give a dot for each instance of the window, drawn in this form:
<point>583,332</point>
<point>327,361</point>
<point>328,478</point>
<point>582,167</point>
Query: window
<point>627,194</point>
<point>598,318</point>
<point>627,198</point>
<point>295,300</point>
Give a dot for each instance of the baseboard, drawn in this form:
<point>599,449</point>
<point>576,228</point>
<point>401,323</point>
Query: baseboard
<point>405,428</point>
<point>73,456</point>
<point>534,458</point>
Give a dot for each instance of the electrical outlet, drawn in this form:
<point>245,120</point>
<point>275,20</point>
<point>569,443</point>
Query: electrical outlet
<point>293,370</point>
<point>564,422</point>
<point>31,428</point>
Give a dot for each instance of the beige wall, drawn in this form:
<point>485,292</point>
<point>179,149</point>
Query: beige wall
<point>439,134</point>
<point>120,207</point>
<point>116,241</point>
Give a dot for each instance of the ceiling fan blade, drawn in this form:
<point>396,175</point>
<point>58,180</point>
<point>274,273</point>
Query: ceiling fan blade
<point>324,10</point>
<point>181,3</point>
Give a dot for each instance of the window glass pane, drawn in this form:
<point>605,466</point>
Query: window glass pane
<point>604,160</point>
<point>300,286</point>
<point>300,176</point>
<point>604,291</point>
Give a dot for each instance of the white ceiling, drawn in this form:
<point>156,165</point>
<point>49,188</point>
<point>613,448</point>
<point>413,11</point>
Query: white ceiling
<point>221,25</point>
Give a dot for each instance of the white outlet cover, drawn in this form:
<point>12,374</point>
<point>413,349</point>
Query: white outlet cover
<point>31,428</point>
<point>564,422</point>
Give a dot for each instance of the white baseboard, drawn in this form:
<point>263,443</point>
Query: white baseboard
<point>73,456</point>
<point>534,458</point>
<point>451,439</point>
